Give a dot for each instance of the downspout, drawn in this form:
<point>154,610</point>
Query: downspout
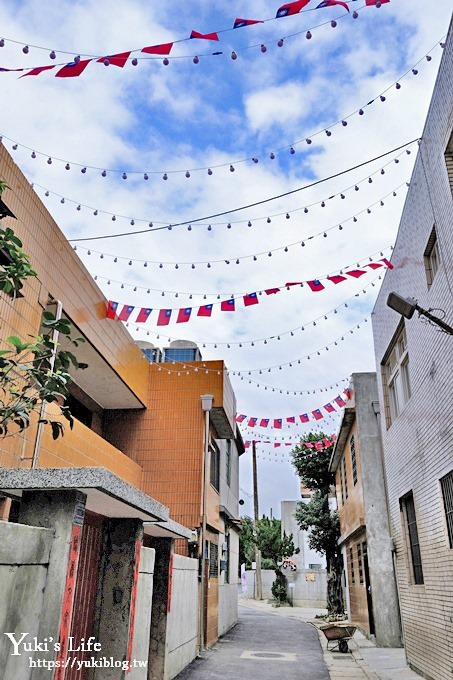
<point>42,412</point>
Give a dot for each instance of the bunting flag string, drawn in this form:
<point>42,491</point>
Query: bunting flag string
<point>199,222</point>
<point>218,295</point>
<point>277,423</point>
<point>77,65</point>
<point>253,160</point>
<point>122,312</point>
<point>315,446</point>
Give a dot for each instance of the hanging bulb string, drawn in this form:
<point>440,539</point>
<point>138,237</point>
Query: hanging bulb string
<point>265,340</point>
<point>254,159</point>
<point>248,206</point>
<point>166,225</point>
<point>253,256</point>
<point>361,262</point>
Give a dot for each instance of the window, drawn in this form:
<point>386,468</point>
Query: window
<point>449,161</point>
<point>396,377</point>
<point>345,479</point>
<point>360,562</point>
<point>214,477</point>
<point>431,257</point>
<point>226,558</point>
<point>182,354</point>
<point>410,522</point>
<point>342,482</point>
<point>351,562</point>
<point>353,460</point>
<point>228,461</point>
<point>447,492</point>
<point>213,560</point>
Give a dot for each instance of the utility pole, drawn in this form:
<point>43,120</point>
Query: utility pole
<point>258,581</point>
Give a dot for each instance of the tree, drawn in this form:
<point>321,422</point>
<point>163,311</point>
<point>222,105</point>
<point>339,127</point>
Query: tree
<point>312,465</point>
<point>33,372</point>
<point>274,546</point>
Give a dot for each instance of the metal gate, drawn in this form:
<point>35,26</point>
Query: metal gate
<point>86,590</point>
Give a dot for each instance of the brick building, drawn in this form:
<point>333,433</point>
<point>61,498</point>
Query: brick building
<point>414,362</point>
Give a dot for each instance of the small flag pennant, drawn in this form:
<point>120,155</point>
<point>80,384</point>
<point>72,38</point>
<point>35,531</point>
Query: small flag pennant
<point>264,422</point>
<point>184,315</point>
<point>111,309</point>
<point>204,36</point>
<point>304,418</point>
<point>329,408</point>
<point>278,423</point>
<point>240,418</point>
<point>272,291</point>
<point>227,305</point>
<point>164,317</point>
<point>250,299</point>
<point>115,59</point>
<point>387,263</point>
<point>369,3</point>
<point>356,273</point>
<point>332,3</point>
<point>315,285</point>
<point>341,402</point>
<point>308,445</point>
<point>143,314</point>
<point>336,278</point>
<point>205,310</point>
<point>73,69</point>
<point>291,419</point>
<point>317,415</point>
<point>290,8</point>
<point>327,442</point>
<point>252,422</point>
<point>163,49</point>
<point>318,446</point>
<point>36,71</point>
<point>240,23</point>
<point>125,312</point>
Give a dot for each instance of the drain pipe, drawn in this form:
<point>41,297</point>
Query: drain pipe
<point>42,412</point>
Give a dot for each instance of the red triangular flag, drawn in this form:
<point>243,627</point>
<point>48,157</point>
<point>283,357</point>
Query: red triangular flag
<point>163,49</point>
<point>73,69</point>
<point>290,8</point>
<point>116,59</point>
<point>239,23</point>
<point>36,71</point>
<point>204,36</point>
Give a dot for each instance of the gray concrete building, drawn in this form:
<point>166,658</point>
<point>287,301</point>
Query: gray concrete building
<point>370,586</point>
<point>414,363</point>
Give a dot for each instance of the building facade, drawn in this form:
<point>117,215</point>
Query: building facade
<point>414,363</point>
<point>370,585</point>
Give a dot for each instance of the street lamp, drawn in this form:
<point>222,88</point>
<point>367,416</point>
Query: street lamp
<point>206,405</point>
<point>407,306</point>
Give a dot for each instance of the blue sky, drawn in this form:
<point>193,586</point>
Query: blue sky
<point>184,116</point>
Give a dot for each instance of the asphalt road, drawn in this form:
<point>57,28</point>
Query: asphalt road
<point>262,647</point>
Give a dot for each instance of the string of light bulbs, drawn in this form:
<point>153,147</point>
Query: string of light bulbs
<point>231,165</point>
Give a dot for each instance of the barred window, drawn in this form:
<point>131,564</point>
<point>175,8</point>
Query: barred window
<point>408,509</point>
<point>345,478</point>
<point>447,492</point>
<point>360,562</point>
<point>351,562</point>
<point>213,559</point>
<point>353,459</point>
<point>215,471</point>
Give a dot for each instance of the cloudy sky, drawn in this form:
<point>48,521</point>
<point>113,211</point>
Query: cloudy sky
<point>267,190</point>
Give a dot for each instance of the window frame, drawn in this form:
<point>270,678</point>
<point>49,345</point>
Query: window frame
<point>447,495</point>
<point>431,257</point>
<point>214,467</point>
<point>353,460</point>
<point>395,375</point>
<point>228,460</point>
<point>410,528</point>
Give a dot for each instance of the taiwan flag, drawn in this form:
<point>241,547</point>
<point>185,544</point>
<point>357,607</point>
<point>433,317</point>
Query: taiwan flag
<point>239,23</point>
<point>329,408</point>
<point>277,445</point>
<point>272,291</point>
<point>308,445</point>
<point>164,317</point>
<point>143,314</point>
<point>73,69</point>
<point>264,422</point>
<point>204,36</point>
<point>163,49</point>
<point>290,8</point>
<point>291,419</point>
<point>116,59</point>
<point>35,71</point>
<point>250,299</point>
<point>356,273</point>
<point>317,415</point>
<point>125,312</point>
<point>184,315</point>
<point>369,3</point>
<point>240,417</point>
<point>278,423</point>
<point>318,446</point>
<point>227,305</point>
<point>252,422</point>
<point>304,418</point>
<point>327,443</point>
<point>315,285</point>
<point>332,3</point>
<point>336,278</point>
<point>341,402</point>
<point>112,308</point>
<point>205,310</point>
<point>387,263</point>
<point>374,265</point>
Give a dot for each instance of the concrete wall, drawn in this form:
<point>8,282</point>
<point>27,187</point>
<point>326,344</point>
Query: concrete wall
<point>310,587</point>
<point>418,444</point>
<point>228,591</point>
<point>306,555</point>
<point>24,558</point>
<point>182,619</point>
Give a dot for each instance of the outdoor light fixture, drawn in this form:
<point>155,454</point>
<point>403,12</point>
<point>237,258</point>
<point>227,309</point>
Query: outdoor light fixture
<point>407,306</point>
<point>206,402</point>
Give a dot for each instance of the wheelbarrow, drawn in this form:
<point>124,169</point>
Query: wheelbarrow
<point>339,633</point>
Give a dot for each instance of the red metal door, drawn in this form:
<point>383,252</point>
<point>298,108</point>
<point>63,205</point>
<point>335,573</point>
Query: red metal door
<point>86,591</point>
